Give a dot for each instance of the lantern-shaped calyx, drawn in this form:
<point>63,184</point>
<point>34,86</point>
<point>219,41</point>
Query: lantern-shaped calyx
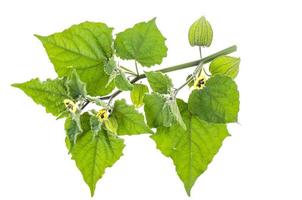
<point>201,33</point>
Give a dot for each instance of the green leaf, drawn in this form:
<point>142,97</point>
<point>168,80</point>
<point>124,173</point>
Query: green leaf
<point>49,93</point>
<point>75,127</point>
<point>201,33</point>
<point>159,82</point>
<point>175,111</point>
<point>225,65</point>
<point>76,88</point>
<point>218,102</point>
<point>137,94</point>
<point>122,82</point>
<point>72,131</point>
<point>191,150</point>
<point>143,43</point>
<point>95,124</point>
<point>94,153</point>
<point>130,121</point>
<point>111,124</point>
<point>85,47</point>
<point>157,111</point>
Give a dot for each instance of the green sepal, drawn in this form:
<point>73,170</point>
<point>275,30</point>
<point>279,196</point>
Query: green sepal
<point>191,83</point>
<point>137,94</point>
<point>111,124</point>
<point>201,33</point>
<point>225,65</point>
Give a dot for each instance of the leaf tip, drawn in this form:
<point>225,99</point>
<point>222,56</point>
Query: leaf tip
<point>188,191</point>
<point>16,85</point>
<point>92,189</point>
<point>153,19</point>
<point>40,37</point>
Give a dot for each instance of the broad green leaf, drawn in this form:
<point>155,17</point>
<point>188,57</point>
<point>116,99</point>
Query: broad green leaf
<point>191,150</point>
<point>129,120</point>
<point>122,82</point>
<point>94,153</point>
<point>218,102</point>
<point>49,93</point>
<point>76,88</point>
<point>137,94</point>
<point>143,43</point>
<point>85,47</point>
<point>159,82</point>
<point>225,65</point>
<point>201,33</point>
<point>157,111</point>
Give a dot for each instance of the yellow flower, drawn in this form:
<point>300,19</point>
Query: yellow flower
<point>200,82</point>
<point>102,115</point>
<point>70,105</point>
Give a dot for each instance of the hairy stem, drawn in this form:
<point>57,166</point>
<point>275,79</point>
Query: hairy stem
<point>174,68</point>
<point>137,72</point>
<point>183,85</point>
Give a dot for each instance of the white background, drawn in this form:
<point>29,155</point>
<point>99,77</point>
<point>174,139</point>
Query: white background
<point>262,159</point>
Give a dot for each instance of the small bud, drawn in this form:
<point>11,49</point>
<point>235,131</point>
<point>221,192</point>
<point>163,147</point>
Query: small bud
<point>70,105</point>
<point>201,33</point>
<point>102,115</point>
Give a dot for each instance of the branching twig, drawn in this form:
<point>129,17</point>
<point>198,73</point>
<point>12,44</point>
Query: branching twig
<point>173,68</point>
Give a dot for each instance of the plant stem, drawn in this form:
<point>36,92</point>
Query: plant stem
<point>128,70</point>
<point>183,85</point>
<point>137,72</point>
<point>200,54</point>
<point>175,68</point>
